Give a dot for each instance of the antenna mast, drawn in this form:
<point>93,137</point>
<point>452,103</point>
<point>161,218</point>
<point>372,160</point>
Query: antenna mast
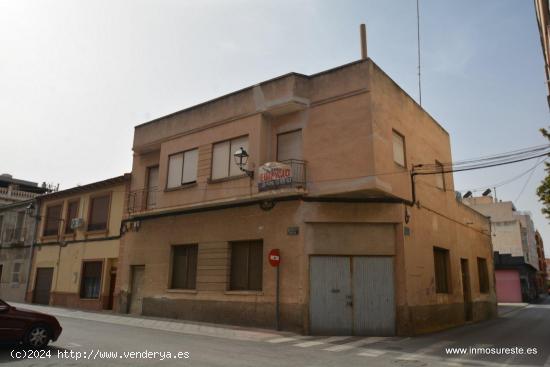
<point>418,39</point>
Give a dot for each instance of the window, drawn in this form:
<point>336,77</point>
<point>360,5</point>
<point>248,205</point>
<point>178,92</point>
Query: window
<point>441,261</point>
<point>182,168</point>
<point>152,186</point>
<point>399,149</point>
<point>53,218</point>
<point>19,226</point>
<point>1,223</point>
<point>72,213</point>
<point>90,283</point>
<point>223,163</point>
<point>289,146</point>
<point>99,213</point>
<point>246,265</point>
<point>483,274</point>
<point>440,178</point>
<point>1,269</point>
<point>16,271</point>
<point>184,267</point>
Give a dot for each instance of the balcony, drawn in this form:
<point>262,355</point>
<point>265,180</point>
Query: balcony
<point>12,236</point>
<point>273,179</point>
<point>16,195</point>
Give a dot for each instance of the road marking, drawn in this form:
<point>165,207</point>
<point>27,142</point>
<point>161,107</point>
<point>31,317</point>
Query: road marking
<point>322,341</point>
<point>284,340</point>
<point>372,353</point>
<point>355,344</point>
<point>73,345</point>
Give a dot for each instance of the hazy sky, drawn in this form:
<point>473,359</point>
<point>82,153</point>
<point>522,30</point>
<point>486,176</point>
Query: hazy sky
<point>77,76</point>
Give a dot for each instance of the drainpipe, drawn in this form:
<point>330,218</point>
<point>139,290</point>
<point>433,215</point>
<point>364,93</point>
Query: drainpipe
<point>36,218</point>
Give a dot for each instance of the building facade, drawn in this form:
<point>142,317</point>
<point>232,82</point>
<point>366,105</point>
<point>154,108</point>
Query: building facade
<point>543,20</point>
<point>76,253</point>
<point>14,190</point>
<point>365,248</point>
<point>516,249</point>
<point>17,229</point>
<point>542,274</point>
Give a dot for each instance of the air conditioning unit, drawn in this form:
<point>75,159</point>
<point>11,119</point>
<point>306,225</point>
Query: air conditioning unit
<point>77,223</point>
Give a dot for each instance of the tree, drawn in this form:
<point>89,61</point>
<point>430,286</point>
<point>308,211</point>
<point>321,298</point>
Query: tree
<point>543,191</point>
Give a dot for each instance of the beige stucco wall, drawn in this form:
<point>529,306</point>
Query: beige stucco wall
<point>66,253</point>
<point>347,117</point>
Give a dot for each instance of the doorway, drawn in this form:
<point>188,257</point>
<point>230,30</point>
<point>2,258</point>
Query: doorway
<point>42,286</point>
<point>466,290</point>
<point>136,293</point>
<point>352,295</point>
<point>112,282</point>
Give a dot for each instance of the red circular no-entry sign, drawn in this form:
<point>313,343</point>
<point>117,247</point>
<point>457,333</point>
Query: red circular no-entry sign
<point>274,257</point>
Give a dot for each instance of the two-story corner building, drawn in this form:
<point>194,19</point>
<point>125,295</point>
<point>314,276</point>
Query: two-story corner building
<point>515,246</point>
<point>327,182</point>
<point>76,252</point>
<point>17,229</point>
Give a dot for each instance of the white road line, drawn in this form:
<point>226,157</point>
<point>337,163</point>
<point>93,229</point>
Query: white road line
<point>355,344</point>
<point>372,353</point>
<point>284,340</point>
<point>321,341</point>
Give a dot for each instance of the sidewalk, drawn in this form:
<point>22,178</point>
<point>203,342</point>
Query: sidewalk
<point>176,326</point>
<point>504,308</point>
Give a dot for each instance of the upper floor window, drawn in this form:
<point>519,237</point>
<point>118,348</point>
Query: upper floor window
<point>289,145</point>
<point>53,218</point>
<point>182,168</point>
<point>440,177</point>
<point>72,213</point>
<point>399,149</point>
<point>99,212</point>
<point>223,163</point>
<point>19,223</point>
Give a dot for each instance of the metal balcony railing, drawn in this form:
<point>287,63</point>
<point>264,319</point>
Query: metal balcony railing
<point>146,199</point>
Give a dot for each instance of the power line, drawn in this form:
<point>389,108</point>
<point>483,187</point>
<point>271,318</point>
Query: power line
<point>507,181</point>
<point>526,182</point>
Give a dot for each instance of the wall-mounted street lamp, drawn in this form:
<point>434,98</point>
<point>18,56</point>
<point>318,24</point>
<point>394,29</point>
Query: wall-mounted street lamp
<point>30,211</point>
<point>241,158</point>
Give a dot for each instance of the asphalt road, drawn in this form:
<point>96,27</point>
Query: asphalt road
<point>528,327</point>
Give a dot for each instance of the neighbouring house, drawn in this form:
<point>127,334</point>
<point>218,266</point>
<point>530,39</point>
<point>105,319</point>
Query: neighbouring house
<point>14,190</point>
<point>318,168</point>
<point>542,274</point>
<point>543,20</point>
<point>17,229</point>
<point>516,249</point>
<point>77,245</point>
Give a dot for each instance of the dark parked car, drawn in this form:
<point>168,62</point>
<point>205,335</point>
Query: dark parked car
<point>34,329</point>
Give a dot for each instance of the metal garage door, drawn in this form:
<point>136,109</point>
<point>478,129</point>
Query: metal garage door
<point>42,286</point>
<point>352,295</point>
<point>373,296</point>
<point>330,295</point>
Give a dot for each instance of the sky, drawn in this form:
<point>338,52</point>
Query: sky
<point>77,76</point>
